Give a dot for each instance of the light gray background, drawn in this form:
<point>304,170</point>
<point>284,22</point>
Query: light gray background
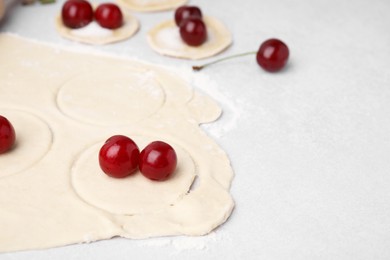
<point>310,146</point>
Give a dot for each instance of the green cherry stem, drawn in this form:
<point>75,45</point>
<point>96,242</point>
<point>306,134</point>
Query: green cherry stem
<point>197,68</point>
<point>47,1</point>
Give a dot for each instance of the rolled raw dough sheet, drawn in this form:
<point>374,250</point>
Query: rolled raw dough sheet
<point>151,5</point>
<point>165,39</point>
<point>96,35</point>
<point>64,105</point>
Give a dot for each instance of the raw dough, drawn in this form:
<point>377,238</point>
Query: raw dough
<point>10,163</point>
<point>58,195</point>
<point>165,39</point>
<point>79,102</point>
<point>151,5</point>
<point>113,195</point>
<point>94,34</point>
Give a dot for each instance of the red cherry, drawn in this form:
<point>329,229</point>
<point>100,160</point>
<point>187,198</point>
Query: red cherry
<point>7,135</point>
<point>119,156</point>
<point>157,161</point>
<point>186,11</point>
<point>272,55</point>
<point>77,13</point>
<point>109,16</point>
<point>193,31</point>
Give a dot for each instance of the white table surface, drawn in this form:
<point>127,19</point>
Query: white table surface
<point>310,146</point>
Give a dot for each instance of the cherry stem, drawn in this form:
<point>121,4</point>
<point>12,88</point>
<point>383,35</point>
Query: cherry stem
<point>47,1</point>
<point>197,68</point>
<point>30,2</point>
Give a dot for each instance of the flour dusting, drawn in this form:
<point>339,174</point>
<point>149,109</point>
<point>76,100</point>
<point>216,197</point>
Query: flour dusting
<point>231,106</point>
<point>170,38</point>
<point>184,244</point>
<point>93,29</point>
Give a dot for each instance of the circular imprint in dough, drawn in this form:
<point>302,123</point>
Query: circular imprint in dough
<point>165,39</point>
<point>94,34</point>
<point>134,194</point>
<point>111,98</point>
<point>151,5</point>
<point>33,141</point>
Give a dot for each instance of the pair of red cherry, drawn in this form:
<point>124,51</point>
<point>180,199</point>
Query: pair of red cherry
<point>79,13</point>
<point>192,29</point>
<point>120,157</point>
<point>7,135</point>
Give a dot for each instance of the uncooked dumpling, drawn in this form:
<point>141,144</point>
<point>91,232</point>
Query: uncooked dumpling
<point>165,39</point>
<point>96,35</point>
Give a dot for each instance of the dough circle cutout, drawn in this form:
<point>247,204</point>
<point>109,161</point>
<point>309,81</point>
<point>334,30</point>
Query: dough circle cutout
<point>165,39</point>
<point>27,150</point>
<point>125,97</point>
<point>96,35</point>
<point>134,194</point>
<point>151,5</point>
